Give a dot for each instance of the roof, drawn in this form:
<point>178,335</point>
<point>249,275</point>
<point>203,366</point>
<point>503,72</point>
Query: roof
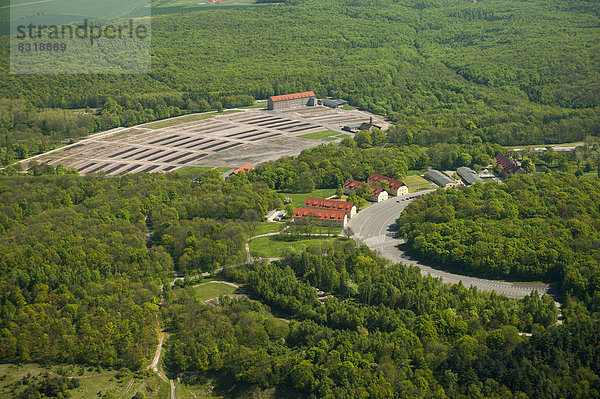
<point>368,126</point>
<point>328,204</point>
<point>244,168</point>
<point>508,165</point>
<point>292,96</point>
<point>376,190</point>
<point>322,214</point>
<point>394,184</point>
<point>334,103</point>
<point>353,184</point>
<point>468,175</point>
<point>440,178</point>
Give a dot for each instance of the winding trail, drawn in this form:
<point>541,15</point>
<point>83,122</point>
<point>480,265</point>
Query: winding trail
<point>375,226</point>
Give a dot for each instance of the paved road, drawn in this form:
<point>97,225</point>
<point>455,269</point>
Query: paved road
<point>375,226</point>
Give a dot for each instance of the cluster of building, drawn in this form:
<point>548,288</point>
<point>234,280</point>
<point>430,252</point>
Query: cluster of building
<point>297,100</point>
<point>325,212</point>
<point>468,176</point>
<point>378,193</point>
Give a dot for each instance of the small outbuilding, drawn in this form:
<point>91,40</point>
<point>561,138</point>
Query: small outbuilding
<point>334,103</point>
<point>357,127</point>
<point>246,168</point>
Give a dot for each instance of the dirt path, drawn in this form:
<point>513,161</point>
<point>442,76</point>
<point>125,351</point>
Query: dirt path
<point>219,282</point>
<point>128,388</point>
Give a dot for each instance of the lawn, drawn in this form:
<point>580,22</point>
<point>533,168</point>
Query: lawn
<point>298,199</point>
<point>266,227</point>
<point>417,172</point>
<point>271,247</point>
<point>212,290</point>
<point>347,107</point>
<point>319,135</point>
<point>339,136</point>
<point>417,183</point>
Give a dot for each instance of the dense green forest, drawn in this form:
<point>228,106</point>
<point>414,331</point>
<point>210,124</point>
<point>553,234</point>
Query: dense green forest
<point>504,72</point>
<point>86,263</point>
<point>82,259</point>
<point>543,228</point>
<point>387,331</point>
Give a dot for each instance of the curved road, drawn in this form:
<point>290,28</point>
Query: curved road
<point>376,225</point>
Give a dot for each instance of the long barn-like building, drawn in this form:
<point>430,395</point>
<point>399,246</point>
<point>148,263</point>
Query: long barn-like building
<point>291,101</point>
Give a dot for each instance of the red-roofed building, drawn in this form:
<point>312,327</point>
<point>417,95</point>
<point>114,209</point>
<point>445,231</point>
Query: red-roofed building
<point>321,203</point>
<point>396,187</point>
<point>246,168</point>
<point>290,101</point>
<point>351,186</point>
<point>379,194</point>
<point>324,217</point>
<point>508,167</point>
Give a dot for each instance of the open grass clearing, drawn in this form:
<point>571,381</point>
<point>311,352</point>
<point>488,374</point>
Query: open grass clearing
<point>332,138</point>
<point>91,381</point>
<point>414,172</point>
<point>320,135</point>
<point>273,246</point>
<point>298,199</point>
<point>210,290</point>
<point>266,227</point>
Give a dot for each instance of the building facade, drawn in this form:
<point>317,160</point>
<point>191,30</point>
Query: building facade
<point>395,187</point>
<point>378,194</point>
<point>322,217</point>
<point>441,179</point>
<point>291,101</point>
<point>328,204</point>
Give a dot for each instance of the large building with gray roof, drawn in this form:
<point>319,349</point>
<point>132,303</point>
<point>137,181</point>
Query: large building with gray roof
<point>441,179</point>
<point>468,175</point>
